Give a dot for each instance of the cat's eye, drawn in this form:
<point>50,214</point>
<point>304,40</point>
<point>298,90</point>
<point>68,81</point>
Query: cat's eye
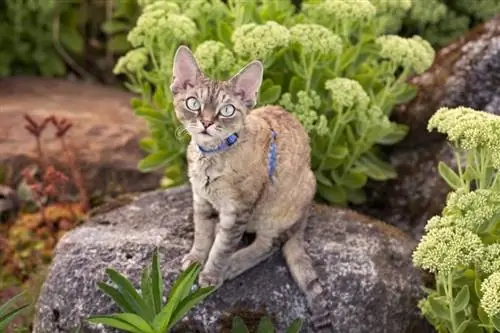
<point>227,110</point>
<point>193,104</point>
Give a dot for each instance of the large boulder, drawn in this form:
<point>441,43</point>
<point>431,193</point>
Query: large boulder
<point>467,73</point>
<point>105,133</point>
<point>365,265</point>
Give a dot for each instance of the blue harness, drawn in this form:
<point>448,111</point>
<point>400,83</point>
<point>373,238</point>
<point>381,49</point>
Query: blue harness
<point>231,140</point>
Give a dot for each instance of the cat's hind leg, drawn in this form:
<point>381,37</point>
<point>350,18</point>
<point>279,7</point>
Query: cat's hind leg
<point>250,256</point>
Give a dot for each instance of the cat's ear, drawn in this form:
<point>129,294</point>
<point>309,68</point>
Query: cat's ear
<point>246,83</point>
<point>185,70</point>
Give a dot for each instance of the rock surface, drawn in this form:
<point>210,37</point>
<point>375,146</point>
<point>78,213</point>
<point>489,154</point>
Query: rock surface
<point>104,135</point>
<point>364,264</point>
<point>466,73</point>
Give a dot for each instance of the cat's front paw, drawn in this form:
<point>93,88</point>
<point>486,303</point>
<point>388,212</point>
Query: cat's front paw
<point>191,258</point>
<point>209,278</point>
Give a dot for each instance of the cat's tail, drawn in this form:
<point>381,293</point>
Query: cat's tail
<point>301,268</point>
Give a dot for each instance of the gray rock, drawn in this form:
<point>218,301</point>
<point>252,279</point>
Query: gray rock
<point>364,264</point>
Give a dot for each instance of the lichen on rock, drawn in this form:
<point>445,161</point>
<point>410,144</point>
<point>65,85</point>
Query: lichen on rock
<point>365,265</point>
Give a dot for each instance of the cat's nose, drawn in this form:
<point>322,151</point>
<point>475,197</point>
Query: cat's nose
<point>206,122</point>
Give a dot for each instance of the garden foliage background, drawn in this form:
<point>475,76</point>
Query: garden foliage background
<point>341,77</point>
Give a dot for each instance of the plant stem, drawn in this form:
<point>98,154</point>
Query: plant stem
<point>459,167</point>
<point>449,296</point>
<point>308,70</point>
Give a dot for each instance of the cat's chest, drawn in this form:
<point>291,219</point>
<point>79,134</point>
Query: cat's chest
<point>206,171</point>
<point>210,178</point>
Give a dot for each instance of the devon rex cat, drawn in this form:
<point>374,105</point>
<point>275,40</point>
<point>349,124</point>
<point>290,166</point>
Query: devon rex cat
<point>249,166</point>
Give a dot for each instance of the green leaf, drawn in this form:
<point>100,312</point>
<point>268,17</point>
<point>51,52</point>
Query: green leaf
<point>439,309</point>
<point>333,194</point>
<point>462,299</point>
<point>157,282</point>
<point>375,168</point>
<point>296,326</point>
<point>354,179</point>
<point>477,287</point>
<point>125,321</point>
<point>449,176</point>
<point>296,85</point>
<point>482,315</point>
<point>474,327</point>
<point>119,299</point>
<point>160,100</point>
<point>461,328</point>
<point>239,326</point>
<point>293,65</point>
<point>406,95</point>
<point>270,95</point>
<point>397,134</point>
<point>495,320</point>
<point>131,295</point>
<point>10,303</point>
<point>321,178</point>
<point>265,325</point>
<point>189,303</point>
<point>114,26</point>
<point>338,152</point>
<point>9,316</point>
<point>180,289</point>
<point>71,40</point>
<point>154,161</point>
<point>331,163</point>
<point>224,32</point>
<point>152,115</point>
<point>147,290</point>
<point>147,144</point>
<point>119,44</point>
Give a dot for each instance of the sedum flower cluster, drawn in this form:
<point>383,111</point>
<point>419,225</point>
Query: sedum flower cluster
<point>330,12</point>
<point>491,294</point>
<point>490,261</point>
<point>462,246</point>
<point>162,21</point>
<point>347,94</point>
<point>132,62</point>
<point>392,13</point>
<point>305,109</point>
<point>315,67</point>
<point>200,9</point>
<point>259,41</point>
<point>316,40</point>
<point>469,210</point>
<point>214,58</point>
<point>414,52</point>
<point>469,129</point>
<point>442,250</point>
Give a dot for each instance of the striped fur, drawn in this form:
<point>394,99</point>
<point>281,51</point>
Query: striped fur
<point>234,183</point>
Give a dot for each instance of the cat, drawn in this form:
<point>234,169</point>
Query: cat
<point>248,166</point>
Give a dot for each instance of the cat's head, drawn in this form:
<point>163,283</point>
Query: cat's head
<point>212,110</point>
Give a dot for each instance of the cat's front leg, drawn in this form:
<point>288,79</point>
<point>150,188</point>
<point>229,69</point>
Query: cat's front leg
<point>226,241</point>
<point>204,232</point>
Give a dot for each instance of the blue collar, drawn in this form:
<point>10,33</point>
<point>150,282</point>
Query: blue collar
<point>228,142</point>
<point>231,140</point>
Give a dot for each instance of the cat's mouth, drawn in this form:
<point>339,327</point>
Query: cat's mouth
<point>204,132</point>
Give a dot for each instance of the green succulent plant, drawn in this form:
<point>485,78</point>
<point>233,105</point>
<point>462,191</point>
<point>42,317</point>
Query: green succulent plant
<point>461,247</point>
<point>340,77</point>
